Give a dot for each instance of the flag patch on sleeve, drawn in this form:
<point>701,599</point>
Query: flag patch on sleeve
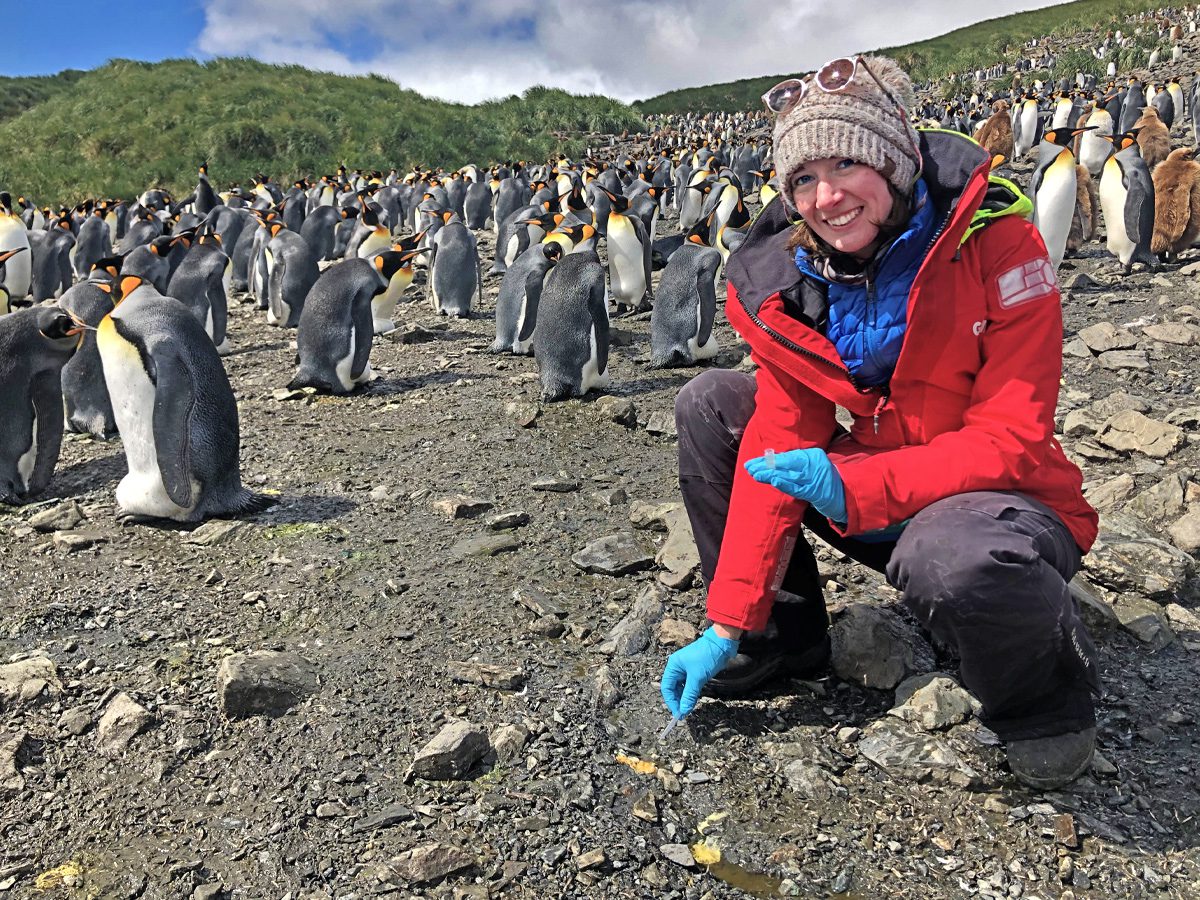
<point>1028,281</point>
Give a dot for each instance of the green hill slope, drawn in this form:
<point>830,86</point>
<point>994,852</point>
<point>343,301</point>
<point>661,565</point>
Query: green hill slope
<point>117,129</point>
<point>965,49</point>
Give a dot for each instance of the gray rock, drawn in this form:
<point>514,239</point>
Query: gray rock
<point>678,554</point>
<point>29,679</point>
<point>1192,268</point>
<point>539,603</point>
<point>1082,281</point>
<point>1145,620</point>
<point>615,554</point>
<point>430,862</point>
<point>1182,333</point>
<point>932,702</point>
<point>1185,531</point>
<point>654,516</point>
<point>605,689</point>
<point>264,682</point>
<point>211,891</point>
<point>1110,494</point>
<point>461,507</point>
<point>555,484</point>
<point>662,423</point>
<point>485,545</point>
<point>809,781</point>
<point>524,414</point>
<point>1076,348</point>
<point>1124,359</point>
<point>631,635</point>
<point>1128,558</point>
<point>451,754</point>
<point>676,633</point>
<point>591,859</point>
<point>617,409</point>
<point>76,720</point>
<point>1105,336</point>
<point>508,741</point>
<point>412,333</point>
<point>679,854</point>
<point>122,721</point>
<point>1163,501</point>
<point>904,753</point>
<point>385,818</point>
<point>873,647</point>
<point>1187,417</point>
<point>611,497</point>
<point>508,520</point>
<point>13,748</point>
<point>490,675</point>
<point>1079,422</point>
<point>1120,401</point>
<point>213,532</point>
<point>61,517</point>
<point>74,541</point>
<point>1130,431</point>
<point>1183,620</point>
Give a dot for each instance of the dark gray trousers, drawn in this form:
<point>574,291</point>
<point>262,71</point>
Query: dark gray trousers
<point>985,572</point>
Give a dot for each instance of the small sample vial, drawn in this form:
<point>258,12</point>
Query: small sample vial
<point>769,456</point>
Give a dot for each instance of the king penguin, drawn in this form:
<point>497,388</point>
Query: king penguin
<point>520,293</point>
<point>1176,203</point>
<point>1094,146</point>
<point>1025,126</point>
<point>685,306</point>
<point>1053,187</point>
<point>293,273</point>
<point>14,236</point>
<point>34,346</point>
<point>383,306</point>
<point>571,340</point>
<point>201,283</point>
<point>85,395</point>
<point>174,408</point>
<point>333,341</point>
<point>1127,200</point>
<point>6,305</point>
<point>628,257</point>
<point>454,276</point>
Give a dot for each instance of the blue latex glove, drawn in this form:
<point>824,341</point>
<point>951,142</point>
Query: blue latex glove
<point>690,668</point>
<point>805,475</point>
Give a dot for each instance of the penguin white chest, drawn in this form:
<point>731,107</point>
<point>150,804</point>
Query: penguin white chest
<point>1112,203</point>
<point>28,459</point>
<point>626,262</point>
<point>132,394</point>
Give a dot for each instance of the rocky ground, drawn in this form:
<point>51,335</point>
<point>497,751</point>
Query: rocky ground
<point>431,669</point>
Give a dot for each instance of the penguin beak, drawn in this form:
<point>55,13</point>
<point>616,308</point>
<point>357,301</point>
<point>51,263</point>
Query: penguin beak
<point>4,257</point>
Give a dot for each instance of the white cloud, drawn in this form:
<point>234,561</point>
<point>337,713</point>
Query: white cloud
<point>471,50</point>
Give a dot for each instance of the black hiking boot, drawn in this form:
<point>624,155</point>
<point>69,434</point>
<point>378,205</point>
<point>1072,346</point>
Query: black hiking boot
<point>1051,762</point>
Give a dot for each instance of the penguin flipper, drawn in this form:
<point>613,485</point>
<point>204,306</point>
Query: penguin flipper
<point>598,304</point>
<point>174,399</point>
<point>46,391</point>
<point>533,296</point>
<point>707,289</point>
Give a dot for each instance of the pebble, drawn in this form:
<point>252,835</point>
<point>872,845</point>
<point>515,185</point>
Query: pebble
<point>490,675</point>
<point>451,754</point>
<point>555,484</point>
<point>214,532</point>
<point>430,862</point>
<point>61,517</point>
<point>462,507</point>
<point>615,554</point>
<point>631,635</point>
<point>932,702</point>
<point>485,545</point>
<point>74,541</point>
<point>506,520</point>
<point>590,860</point>
<point>679,854</point>
<point>123,720</point>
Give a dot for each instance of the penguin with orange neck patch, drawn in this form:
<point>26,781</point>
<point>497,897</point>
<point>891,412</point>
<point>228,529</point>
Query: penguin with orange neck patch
<point>34,346</point>
<point>174,408</point>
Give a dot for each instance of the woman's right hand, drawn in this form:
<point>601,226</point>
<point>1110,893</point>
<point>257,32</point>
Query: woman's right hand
<point>690,668</point>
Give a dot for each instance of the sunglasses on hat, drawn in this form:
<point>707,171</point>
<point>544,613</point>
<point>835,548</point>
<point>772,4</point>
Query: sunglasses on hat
<point>833,77</point>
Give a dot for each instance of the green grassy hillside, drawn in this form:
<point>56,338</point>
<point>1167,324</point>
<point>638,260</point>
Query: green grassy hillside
<point>966,49</point>
<point>117,129</point>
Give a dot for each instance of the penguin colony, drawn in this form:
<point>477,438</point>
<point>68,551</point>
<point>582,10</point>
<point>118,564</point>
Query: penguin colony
<point>128,299</point>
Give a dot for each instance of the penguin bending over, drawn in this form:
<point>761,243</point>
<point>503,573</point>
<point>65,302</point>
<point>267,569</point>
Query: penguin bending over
<point>520,293</point>
<point>35,344</point>
<point>685,307</point>
<point>293,273</point>
<point>454,275</point>
<point>1127,198</point>
<point>1176,203</point>
<point>571,340</point>
<point>85,395</point>
<point>201,283</point>
<point>333,340</point>
<point>174,408</point>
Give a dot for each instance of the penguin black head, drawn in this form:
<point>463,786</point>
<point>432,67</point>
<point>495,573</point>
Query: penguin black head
<point>408,243</point>
<point>160,246</point>
<point>552,251</point>
<point>110,264</point>
<point>698,234</point>
<point>5,201</point>
<point>389,262</point>
<point>126,285</point>
<point>58,327</point>
<point>349,212</point>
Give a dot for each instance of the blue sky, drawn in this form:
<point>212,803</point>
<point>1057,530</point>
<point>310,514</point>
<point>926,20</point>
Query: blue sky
<point>471,50</point>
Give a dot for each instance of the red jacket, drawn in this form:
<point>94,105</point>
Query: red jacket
<point>970,406</point>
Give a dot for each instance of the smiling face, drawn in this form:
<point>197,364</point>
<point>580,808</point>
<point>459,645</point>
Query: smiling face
<point>842,201</point>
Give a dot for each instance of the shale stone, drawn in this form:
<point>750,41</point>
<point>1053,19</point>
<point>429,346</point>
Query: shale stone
<point>28,680</point>
<point>872,646</point>
<point>1104,336</point>
<point>451,754</point>
<point>1131,431</point>
<point>263,682</point>
<point>615,554</point>
<point>123,720</point>
<point>430,862</point>
<point>932,702</point>
<point>903,753</point>
<point>1128,558</point>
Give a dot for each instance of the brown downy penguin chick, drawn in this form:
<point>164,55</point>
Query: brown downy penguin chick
<point>1176,202</point>
<point>996,133</point>
<point>1085,221</point>
<point>1154,140</point>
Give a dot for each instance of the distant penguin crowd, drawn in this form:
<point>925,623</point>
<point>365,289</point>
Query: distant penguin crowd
<point>114,312</point>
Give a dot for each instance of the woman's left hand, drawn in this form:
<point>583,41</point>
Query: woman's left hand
<point>806,475</point>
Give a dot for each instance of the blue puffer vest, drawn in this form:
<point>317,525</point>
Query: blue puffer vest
<point>867,320</point>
